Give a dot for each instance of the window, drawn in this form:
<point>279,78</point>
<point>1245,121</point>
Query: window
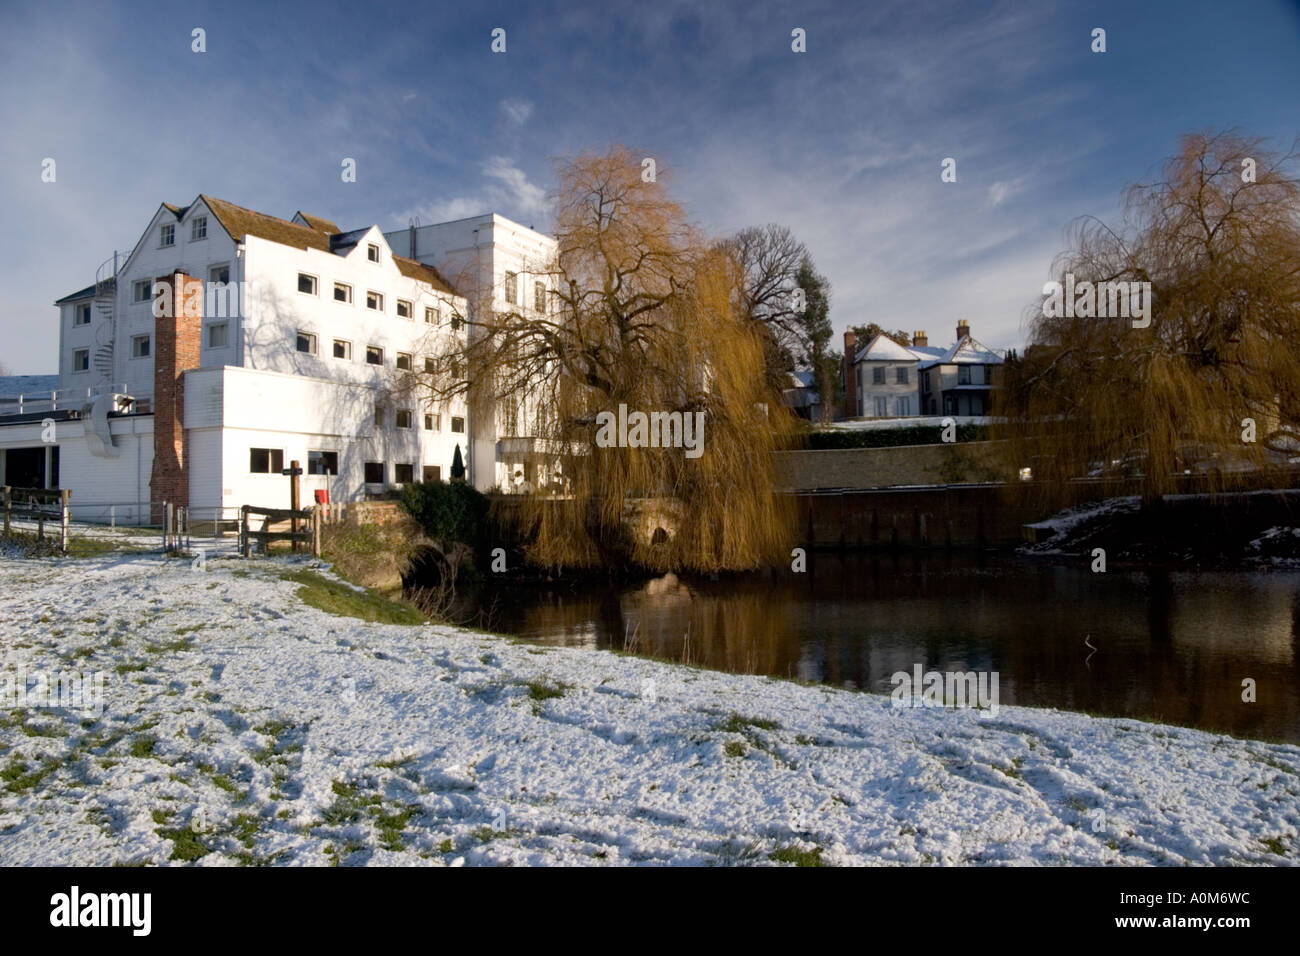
<point>374,472</point>
<point>375,301</point>
<point>374,355</point>
<point>512,288</point>
<point>403,474</point>
<point>198,228</point>
<point>139,346</point>
<point>539,296</point>
<point>218,335</point>
<point>455,368</point>
<point>902,406</point>
<point>81,315</point>
<point>343,293</point>
<point>430,366</point>
<point>342,350</point>
<point>433,423</point>
<point>322,462</point>
<point>430,315</point>
<point>372,252</point>
<point>457,424</point>
<point>963,374</point>
<point>143,290</point>
<point>379,416</point>
<point>306,343</point>
<point>404,310</point>
<point>306,283</point>
<point>219,274</point>
<point>882,406</point>
<point>404,360</point>
<point>878,375</point>
<point>900,375</point>
<point>432,473</point>
<point>81,360</point>
<point>403,418</point>
<point>168,236</point>
<point>265,461</point>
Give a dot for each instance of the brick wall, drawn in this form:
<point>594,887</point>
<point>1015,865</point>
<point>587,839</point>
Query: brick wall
<point>176,343</point>
<point>885,467</point>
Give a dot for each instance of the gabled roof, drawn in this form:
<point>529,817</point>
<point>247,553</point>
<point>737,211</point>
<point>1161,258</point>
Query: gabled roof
<point>316,222</point>
<point>970,352</point>
<point>419,271</point>
<point>884,349</point>
<point>240,222</point>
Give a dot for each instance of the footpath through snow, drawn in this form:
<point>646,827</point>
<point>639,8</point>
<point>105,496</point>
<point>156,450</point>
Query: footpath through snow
<point>240,726</point>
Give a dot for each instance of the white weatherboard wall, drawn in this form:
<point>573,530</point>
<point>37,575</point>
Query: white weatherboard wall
<point>242,409</point>
<point>96,483</point>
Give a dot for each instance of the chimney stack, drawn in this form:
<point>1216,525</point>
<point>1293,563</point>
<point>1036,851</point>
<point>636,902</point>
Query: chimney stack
<point>176,341</point>
<point>963,329</point>
<point>850,374</point>
<point>920,340</point>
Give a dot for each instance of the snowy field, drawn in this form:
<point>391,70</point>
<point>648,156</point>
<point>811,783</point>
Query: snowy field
<point>240,726</point>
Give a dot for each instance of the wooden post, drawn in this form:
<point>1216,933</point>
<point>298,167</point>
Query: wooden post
<point>112,516</point>
<point>40,517</point>
<point>317,529</point>
<point>169,524</point>
<point>243,530</point>
<point>63,529</point>
<point>7,503</point>
<point>293,471</point>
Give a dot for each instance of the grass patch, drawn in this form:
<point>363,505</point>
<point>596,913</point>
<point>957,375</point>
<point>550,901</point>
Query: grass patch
<point>797,855</point>
<point>1274,845</point>
<point>734,748</point>
<point>334,597</point>
<point>736,724</point>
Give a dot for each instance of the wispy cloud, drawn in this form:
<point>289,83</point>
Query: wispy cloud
<point>506,189</point>
<point>517,110</point>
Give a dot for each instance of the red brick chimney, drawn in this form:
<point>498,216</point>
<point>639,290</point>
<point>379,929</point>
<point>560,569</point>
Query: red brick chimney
<point>963,329</point>
<point>176,341</point>
<point>850,374</point>
<point>920,340</point>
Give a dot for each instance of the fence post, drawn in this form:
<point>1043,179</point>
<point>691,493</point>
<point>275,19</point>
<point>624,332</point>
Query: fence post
<point>40,516</point>
<point>317,526</point>
<point>112,516</point>
<point>243,531</point>
<point>169,526</point>
<point>7,501</point>
<point>63,521</point>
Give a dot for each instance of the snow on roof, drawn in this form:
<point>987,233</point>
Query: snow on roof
<point>884,349</point>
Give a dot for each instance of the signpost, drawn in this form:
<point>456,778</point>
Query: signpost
<point>293,471</point>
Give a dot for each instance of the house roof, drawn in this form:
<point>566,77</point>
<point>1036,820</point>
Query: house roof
<point>87,293</point>
<point>884,349</point>
<point>418,270</point>
<point>316,222</point>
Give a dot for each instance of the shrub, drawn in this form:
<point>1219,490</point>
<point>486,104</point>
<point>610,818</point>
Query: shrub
<point>447,511</point>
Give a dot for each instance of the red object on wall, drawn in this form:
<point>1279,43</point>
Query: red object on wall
<point>322,496</point>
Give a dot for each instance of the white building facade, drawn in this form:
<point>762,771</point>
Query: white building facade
<point>304,345</point>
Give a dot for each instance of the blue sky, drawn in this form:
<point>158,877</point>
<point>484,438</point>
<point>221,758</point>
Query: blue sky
<point>842,143</point>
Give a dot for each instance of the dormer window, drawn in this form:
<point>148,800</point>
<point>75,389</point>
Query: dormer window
<point>372,252</point>
<point>168,236</point>
<point>198,228</point>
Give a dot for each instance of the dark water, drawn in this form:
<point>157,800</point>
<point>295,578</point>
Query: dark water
<point>1171,646</point>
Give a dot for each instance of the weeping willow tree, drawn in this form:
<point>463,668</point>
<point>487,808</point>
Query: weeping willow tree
<point>643,318</point>
<point>1212,384</point>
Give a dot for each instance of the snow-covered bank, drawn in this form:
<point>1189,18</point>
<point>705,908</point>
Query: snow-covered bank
<point>242,726</point>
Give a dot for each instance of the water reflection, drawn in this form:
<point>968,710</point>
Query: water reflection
<point>1170,646</point>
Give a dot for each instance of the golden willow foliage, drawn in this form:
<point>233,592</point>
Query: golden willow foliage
<point>644,314</point>
<point>1222,254</point>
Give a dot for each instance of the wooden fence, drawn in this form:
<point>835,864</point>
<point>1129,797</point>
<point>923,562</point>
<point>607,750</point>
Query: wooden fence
<point>38,503</point>
<point>267,534</point>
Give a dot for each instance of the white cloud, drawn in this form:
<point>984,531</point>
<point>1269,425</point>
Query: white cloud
<point>507,190</point>
<point>517,110</point>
